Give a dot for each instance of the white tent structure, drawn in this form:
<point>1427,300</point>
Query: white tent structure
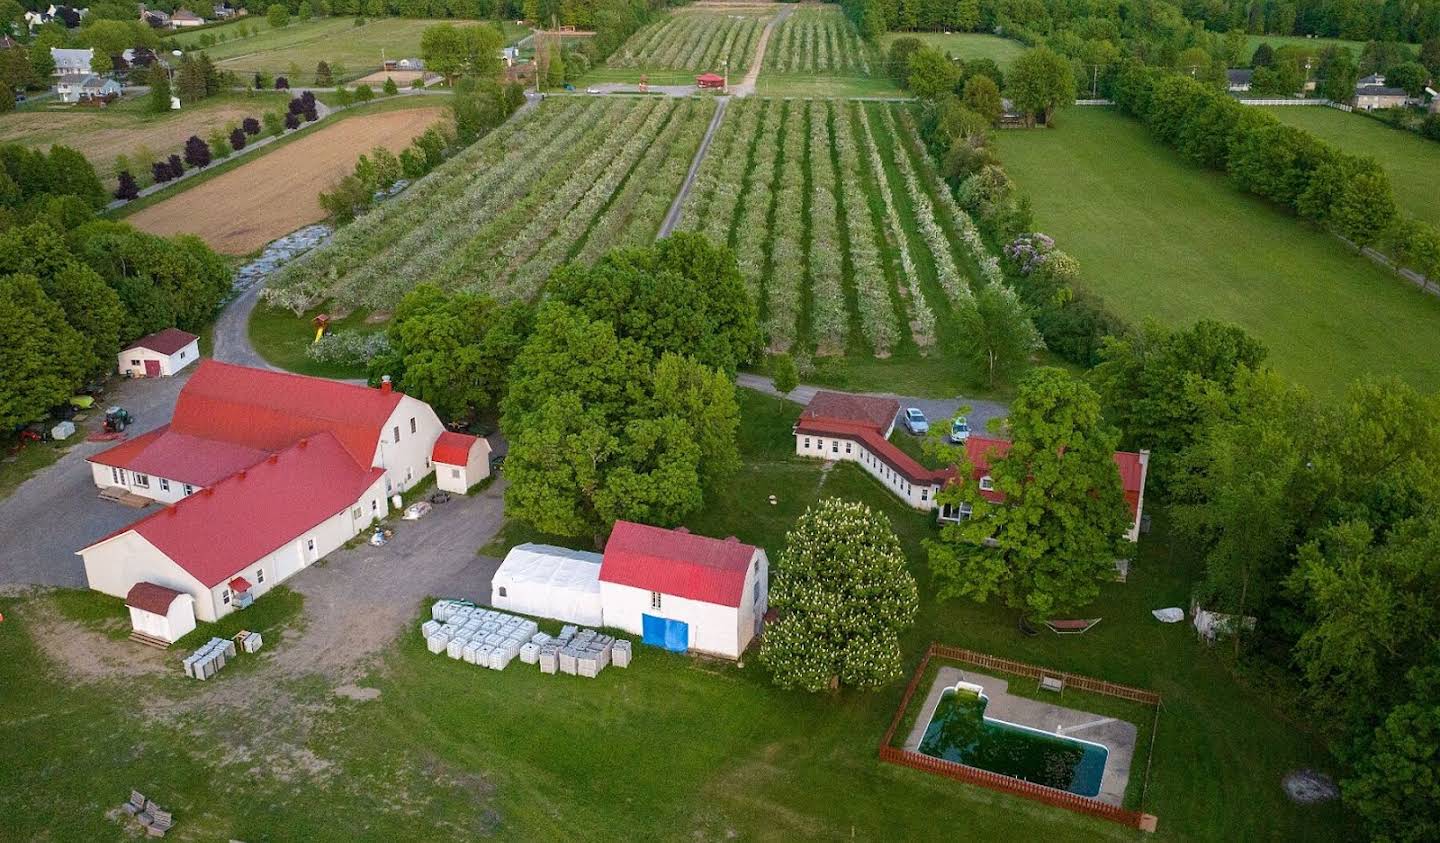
<point>549,582</point>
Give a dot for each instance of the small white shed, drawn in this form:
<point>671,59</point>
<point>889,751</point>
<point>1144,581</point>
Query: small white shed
<point>161,354</point>
<point>160,612</point>
<point>549,582</point>
<point>461,461</point>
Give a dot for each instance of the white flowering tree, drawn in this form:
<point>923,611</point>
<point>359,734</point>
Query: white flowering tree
<point>843,595</point>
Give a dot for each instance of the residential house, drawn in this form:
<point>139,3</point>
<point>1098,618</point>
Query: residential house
<point>1237,79</point>
<point>66,15</point>
<point>160,354</point>
<point>97,89</point>
<point>71,62</point>
<point>222,11</point>
<point>184,18</point>
<point>154,18</point>
<point>683,591</point>
<point>840,426</point>
<point>265,473</point>
<point>1373,97</point>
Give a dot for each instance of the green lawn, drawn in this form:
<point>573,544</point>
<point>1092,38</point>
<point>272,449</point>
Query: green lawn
<point>671,747</point>
<point>1411,162</point>
<point>966,45</point>
<point>281,338</point>
<point>1317,44</point>
<point>18,465</point>
<point>338,40</point>
<point>802,85</point>
<point>1157,237</point>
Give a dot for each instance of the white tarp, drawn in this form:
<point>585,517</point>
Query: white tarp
<point>549,582</point>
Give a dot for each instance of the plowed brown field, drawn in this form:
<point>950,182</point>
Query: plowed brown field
<point>278,192</point>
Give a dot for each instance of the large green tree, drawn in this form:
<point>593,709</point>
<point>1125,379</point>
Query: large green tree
<point>843,596</point>
<point>999,336</point>
<point>1395,786</point>
<point>455,51</point>
<point>44,359</point>
<point>1052,540</point>
<point>1039,82</point>
<point>931,73</point>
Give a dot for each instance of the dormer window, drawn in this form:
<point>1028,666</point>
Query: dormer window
<point>986,484</point>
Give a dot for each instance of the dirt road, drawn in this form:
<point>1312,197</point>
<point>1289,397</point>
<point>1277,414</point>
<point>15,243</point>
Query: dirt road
<point>279,192</point>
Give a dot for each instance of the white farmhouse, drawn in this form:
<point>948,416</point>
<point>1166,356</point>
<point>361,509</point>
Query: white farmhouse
<point>160,354</point>
<point>266,472</point>
<point>684,592</point>
<point>70,62</point>
<point>461,461</point>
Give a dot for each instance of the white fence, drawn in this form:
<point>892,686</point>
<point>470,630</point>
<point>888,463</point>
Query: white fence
<point>1266,102</point>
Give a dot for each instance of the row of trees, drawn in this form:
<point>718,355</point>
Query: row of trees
<point>73,288</point>
<point>1347,193</point>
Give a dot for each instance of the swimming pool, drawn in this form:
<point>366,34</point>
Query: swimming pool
<point>959,731</point>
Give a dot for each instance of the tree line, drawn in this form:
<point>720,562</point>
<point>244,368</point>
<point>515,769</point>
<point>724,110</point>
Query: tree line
<point>74,289</point>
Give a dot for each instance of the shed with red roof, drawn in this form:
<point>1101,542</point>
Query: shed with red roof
<point>710,81</point>
<point>160,354</point>
<point>683,591</point>
<point>158,614</point>
<point>461,461</point>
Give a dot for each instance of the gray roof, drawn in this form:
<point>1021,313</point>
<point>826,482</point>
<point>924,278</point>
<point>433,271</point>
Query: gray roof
<point>58,53</point>
<point>1380,91</point>
<point>75,78</point>
<point>1239,75</point>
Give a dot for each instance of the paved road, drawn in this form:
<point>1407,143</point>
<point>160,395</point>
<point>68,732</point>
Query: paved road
<point>938,410</point>
<point>672,218</point>
<point>57,511</point>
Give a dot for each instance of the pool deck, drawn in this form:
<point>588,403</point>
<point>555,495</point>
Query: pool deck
<point>1117,736</point>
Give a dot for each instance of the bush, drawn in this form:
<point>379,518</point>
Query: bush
<point>282,84</point>
<point>237,139</point>
<point>197,154</point>
<point>349,348</point>
<point>160,171</point>
<point>296,105</point>
<point>311,115</point>
<point>251,126</point>
<point>274,123</point>
<point>128,189</point>
<point>782,370</point>
<point>292,120</point>
<point>363,93</point>
<point>390,88</point>
<point>219,145</point>
<point>177,167</point>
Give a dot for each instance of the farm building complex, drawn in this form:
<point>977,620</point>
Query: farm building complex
<point>265,473</point>
<point>840,426</point>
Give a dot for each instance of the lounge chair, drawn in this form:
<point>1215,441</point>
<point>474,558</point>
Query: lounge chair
<point>1073,627</point>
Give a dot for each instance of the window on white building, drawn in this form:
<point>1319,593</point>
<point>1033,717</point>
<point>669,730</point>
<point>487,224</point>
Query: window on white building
<point>188,489</point>
<point>397,433</point>
<point>807,443</point>
<point>134,362</point>
<point>455,472</point>
<point>847,447</point>
<point>182,355</point>
<point>117,476</point>
<point>142,480</point>
<point>164,485</point>
<point>356,512</point>
<point>259,575</point>
<point>374,506</point>
<point>412,424</point>
<point>924,495</point>
<point>502,591</point>
<point>986,483</point>
<point>225,596</point>
<point>655,600</point>
<point>835,446</point>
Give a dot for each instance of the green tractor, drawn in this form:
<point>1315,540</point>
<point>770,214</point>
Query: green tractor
<point>117,419</point>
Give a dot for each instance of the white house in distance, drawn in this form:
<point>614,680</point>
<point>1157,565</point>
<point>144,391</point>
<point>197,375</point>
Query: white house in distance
<point>840,426</point>
<point>461,461</point>
<point>266,472</point>
<point>160,354</point>
<point>70,62</point>
<point>675,589</point>
<point>684,592</point>
<point>158,614</point>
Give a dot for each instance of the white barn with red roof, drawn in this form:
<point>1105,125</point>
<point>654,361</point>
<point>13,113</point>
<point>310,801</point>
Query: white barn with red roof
<point>682,591</point>
<point>840,426</point>
<point>265,473</point>
<point>461,461</point>
<point>160,354</point>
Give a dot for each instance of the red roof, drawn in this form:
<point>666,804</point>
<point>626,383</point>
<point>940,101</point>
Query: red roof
<point>221,530</point>
<point>271,410</point>
<point>239,584</point>
<point>453,448</point>
<point>152,598</point>
<point>980,450</point>
<point>167,341</point>
<point>876,413</point>
<point>176,456</point>
<point>877,444</point>
<point>677,562</point>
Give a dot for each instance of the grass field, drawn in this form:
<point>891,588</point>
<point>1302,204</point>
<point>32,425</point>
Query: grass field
<point>282,338</point>
<point>560,182</point>
<point>1316,44</point>
<point>696,39</point>
<point>841,228</point>
<point>276,192</point>
<point>129,128</point>
<point>1411,162</point>
<point>357,49</point>
<point>1159,238</point>
<point>966,45</point>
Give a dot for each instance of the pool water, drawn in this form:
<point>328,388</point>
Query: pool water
<point>959,731</point>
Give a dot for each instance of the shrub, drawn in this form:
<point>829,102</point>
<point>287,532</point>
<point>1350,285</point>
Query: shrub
<point>274,123</point>
<point>418,83</point>
<point>251,126</point>
<point>296,105</point>
<point>292,121</point>
<point>323,75</point>
<point>390,88</point>
<point>782,370</point>
<point>282,84</point>
<point>363,93</point>
<point>177,167</point>
<point>160,171</point>
<point>349,348</point>
<point>311,115</point>
<point>237,139</point>
<point>197,154</point>
<point>308,97</point>
<point>128,189</point>
<point>219,145</point>
<point>412,163</point>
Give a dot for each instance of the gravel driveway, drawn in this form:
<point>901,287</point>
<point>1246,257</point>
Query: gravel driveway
<point>938,410</point>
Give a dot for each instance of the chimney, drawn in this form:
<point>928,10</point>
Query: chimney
<point>241,474</point>
<point>385,385</point>
<point>208,491</point>
<point>304,442</point>
<point>273,458</point>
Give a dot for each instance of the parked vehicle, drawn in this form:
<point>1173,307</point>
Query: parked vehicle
<point>117,419</point>
<point>959,430</point>
<point>592,90</point>
<point>439,497</point>
<point>915,421</point>
<point>416,511</point>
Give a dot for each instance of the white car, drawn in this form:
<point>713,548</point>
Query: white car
<point>959,430</point>
<point>592,90</point>
<point>915,421</point>
<point>416,510</point>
